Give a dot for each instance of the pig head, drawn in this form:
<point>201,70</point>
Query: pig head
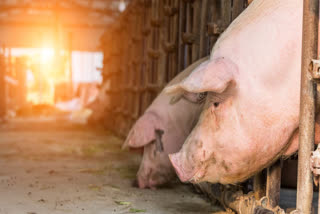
<point>251,114</point>
<point>173,116</point>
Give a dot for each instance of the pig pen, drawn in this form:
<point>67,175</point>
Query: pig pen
<point>52,166</point>
<point>149,45</point>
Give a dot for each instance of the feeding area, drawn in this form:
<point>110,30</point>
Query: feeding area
<point>159,106</point>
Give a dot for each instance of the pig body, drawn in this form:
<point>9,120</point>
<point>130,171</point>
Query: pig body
<point>175,120</point>
<point>251,114</point>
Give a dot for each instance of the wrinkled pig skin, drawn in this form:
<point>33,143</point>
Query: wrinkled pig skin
<point>176,120</point>
<point>251,114</point>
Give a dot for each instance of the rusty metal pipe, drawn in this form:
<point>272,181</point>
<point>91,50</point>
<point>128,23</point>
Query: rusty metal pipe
<point>259,186</point>
<point>318,199</point>
<point>2,87</point>
<point>274,183</point>
<point>307,105</point>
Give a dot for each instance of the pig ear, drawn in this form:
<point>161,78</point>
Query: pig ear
<point>211,76</point>
<point>143,132</point>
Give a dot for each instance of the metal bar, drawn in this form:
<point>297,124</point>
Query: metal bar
<point>307,105</point>
<point>203,37</point>
<point>259,187</point>
<point>249,1</point>
<point>2,87</point>
<point>238,6</point>
<point>317,98</point>
<point>226,7</point>
<point>273,183</point>
<point>161,67</point>
<point>213,27</point>
<point>182,28</point>
<point>318,198</point>
<point>196,30</point>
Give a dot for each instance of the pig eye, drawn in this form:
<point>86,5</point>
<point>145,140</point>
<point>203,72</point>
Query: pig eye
<point>216,104</point>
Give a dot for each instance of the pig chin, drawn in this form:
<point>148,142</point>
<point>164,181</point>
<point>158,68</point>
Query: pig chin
<point>153,181</point>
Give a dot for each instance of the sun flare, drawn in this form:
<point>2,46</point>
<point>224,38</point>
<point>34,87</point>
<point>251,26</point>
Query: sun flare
<point>47,55</point>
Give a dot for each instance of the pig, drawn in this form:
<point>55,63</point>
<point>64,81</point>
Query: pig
<point>251,114</point>
<point>173,118</point>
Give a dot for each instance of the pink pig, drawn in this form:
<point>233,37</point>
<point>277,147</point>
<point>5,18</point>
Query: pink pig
<point>175,121</point>
<point>251,114</point>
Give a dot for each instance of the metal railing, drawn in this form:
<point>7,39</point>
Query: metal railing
<point>150,43</point>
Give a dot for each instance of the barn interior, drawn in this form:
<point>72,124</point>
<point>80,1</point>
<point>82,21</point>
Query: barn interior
<point>75,75</point>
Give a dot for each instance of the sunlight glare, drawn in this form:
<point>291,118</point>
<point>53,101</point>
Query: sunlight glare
<point>47,55</point>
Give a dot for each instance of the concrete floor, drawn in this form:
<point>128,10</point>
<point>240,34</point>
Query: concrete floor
<point>50,166</point>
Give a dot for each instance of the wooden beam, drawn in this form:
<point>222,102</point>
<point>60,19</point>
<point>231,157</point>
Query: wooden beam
<point>72,8</point>
<point>50,24</point>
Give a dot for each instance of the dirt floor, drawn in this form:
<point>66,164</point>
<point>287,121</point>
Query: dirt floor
<point>51,166</point>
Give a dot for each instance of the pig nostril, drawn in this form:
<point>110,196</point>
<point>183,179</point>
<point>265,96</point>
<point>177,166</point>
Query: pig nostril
<point>216,104</point>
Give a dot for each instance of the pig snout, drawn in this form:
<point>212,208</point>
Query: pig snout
<point>142,181</point>
<point>155,168</point>
<point>184,172</point>
<point>186,161</point>
<point>150,181</point>
<point>154,177</point>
